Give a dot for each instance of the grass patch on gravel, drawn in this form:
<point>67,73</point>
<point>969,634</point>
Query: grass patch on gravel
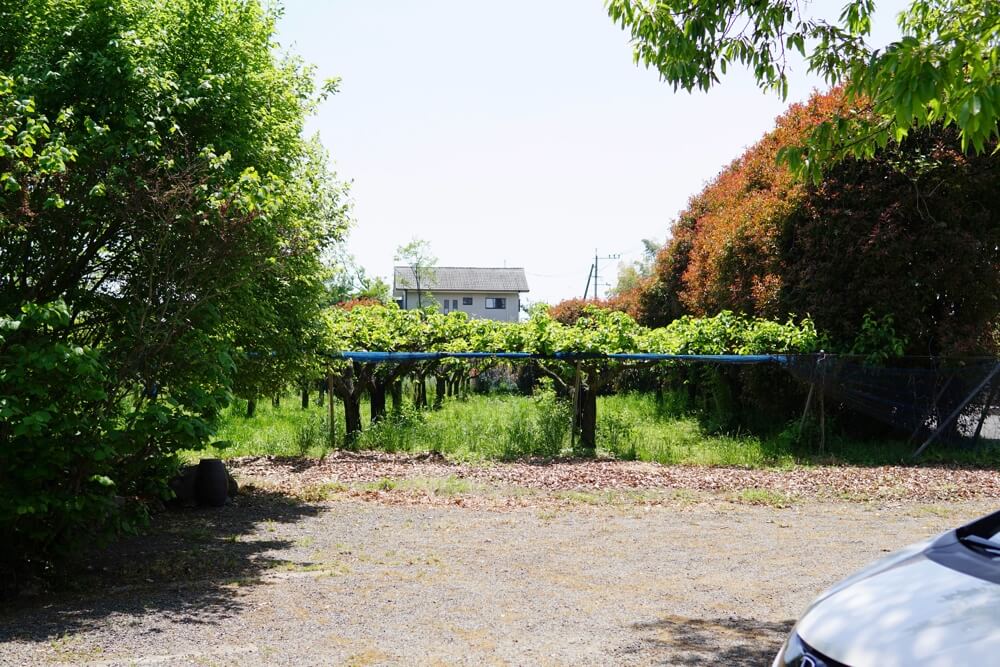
<point>623,498</point>
<point>327,568</point>
<point>433,486</point>
<point>765,497</point>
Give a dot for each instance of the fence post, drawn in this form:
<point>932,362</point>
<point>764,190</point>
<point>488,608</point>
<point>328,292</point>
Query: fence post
<point>805,412</point>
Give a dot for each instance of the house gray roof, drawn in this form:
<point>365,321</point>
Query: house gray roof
<point>464,279</point>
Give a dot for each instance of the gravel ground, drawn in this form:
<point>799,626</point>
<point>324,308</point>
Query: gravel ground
<point>688,580</point>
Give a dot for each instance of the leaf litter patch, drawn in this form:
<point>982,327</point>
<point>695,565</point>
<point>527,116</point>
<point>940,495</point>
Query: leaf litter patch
<point>432,478</point>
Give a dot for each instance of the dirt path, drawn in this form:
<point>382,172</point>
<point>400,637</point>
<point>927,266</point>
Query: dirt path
<point>687,581</point>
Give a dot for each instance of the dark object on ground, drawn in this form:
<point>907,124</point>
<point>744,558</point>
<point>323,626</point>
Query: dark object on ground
<point>185,486</point>
<point>211,483</point>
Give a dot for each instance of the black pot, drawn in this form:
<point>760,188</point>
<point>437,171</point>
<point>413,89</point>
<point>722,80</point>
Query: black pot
<point>212,484</point>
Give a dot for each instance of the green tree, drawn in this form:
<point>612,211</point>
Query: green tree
<point>158,191</point>
<point>417,256</point>
<point>943,70</point>
<point>349,280</point>
<point>631,275</point>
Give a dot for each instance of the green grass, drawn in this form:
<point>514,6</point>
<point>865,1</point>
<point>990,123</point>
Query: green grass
<point>286,431</point>
<point>647,434</point>
<point>503,427</point>
<point>764,497</point>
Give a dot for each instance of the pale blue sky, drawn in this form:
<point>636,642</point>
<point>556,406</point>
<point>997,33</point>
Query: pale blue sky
<point>518,133</point>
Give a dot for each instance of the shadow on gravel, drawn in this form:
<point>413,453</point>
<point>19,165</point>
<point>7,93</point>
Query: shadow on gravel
<point>188,568</point>
<point>674,640</point>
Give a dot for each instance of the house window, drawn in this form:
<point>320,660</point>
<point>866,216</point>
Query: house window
<point>454,304</point>
<point>496,304</point>
<point>466,300</point>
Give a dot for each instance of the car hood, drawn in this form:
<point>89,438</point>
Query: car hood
<point>907,610</point>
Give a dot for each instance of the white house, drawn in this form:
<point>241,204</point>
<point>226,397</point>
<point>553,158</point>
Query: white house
<point>487,293</point>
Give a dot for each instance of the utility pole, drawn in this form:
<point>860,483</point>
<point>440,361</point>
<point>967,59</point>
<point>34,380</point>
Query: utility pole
<point>590,274</point>
<point>593,271</point>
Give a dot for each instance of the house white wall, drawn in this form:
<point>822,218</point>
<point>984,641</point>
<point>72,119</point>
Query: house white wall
<point>408,299</point>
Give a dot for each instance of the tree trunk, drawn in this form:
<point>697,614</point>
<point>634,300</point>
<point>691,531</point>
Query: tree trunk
<point>377,396</point>
<point>352,417</point>
<point>419,393</point>
<point>451,388</point>
<point>251,407</point>
<point>587,420</point>
<point>276,401</point>
<point>439,390</point>
<point>305,396</point>
<point>321,393</point>
<point>396,391</point>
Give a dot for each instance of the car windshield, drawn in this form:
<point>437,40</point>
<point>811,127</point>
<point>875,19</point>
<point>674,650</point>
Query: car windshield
<point>990,547</point>
<point>976,552</point>
<point>982,534</point>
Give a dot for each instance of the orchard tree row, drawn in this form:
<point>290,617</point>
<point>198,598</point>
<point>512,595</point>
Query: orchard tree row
<point>598,331</point>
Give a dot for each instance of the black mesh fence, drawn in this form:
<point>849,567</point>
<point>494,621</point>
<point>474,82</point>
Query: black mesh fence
<point>919,397</point>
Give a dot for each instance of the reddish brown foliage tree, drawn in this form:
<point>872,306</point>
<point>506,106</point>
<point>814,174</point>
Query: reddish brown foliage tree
<point>913,232</point>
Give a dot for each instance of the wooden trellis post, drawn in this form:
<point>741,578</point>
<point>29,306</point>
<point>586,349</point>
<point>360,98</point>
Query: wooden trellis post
<point>576,408</point>
<point>330,412</point>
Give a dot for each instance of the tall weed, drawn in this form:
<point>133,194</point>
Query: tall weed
<point>552,421</point>
<point>395,431</point>
<point>616,432</point>
<point>519,434</point>
<point>313,433</point>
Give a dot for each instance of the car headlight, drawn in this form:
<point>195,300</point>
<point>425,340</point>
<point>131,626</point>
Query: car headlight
<point>795,653</point>
<point>791,653</point>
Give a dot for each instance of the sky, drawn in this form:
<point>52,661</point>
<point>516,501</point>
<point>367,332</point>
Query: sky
<point>519,133</point>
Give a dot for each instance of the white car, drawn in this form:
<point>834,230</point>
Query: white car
<point>933,604</point>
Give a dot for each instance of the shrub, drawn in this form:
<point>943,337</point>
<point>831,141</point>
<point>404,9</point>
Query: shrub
<point>569,311</point>
<point>877,341</point>
<point>57,467</point>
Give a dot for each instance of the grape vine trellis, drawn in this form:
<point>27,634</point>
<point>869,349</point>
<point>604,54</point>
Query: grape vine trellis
<point>355,346</point>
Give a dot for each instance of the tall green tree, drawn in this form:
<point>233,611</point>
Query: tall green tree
<point>417,256</point>
<point>159,210</point>
<point>945,69</point>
